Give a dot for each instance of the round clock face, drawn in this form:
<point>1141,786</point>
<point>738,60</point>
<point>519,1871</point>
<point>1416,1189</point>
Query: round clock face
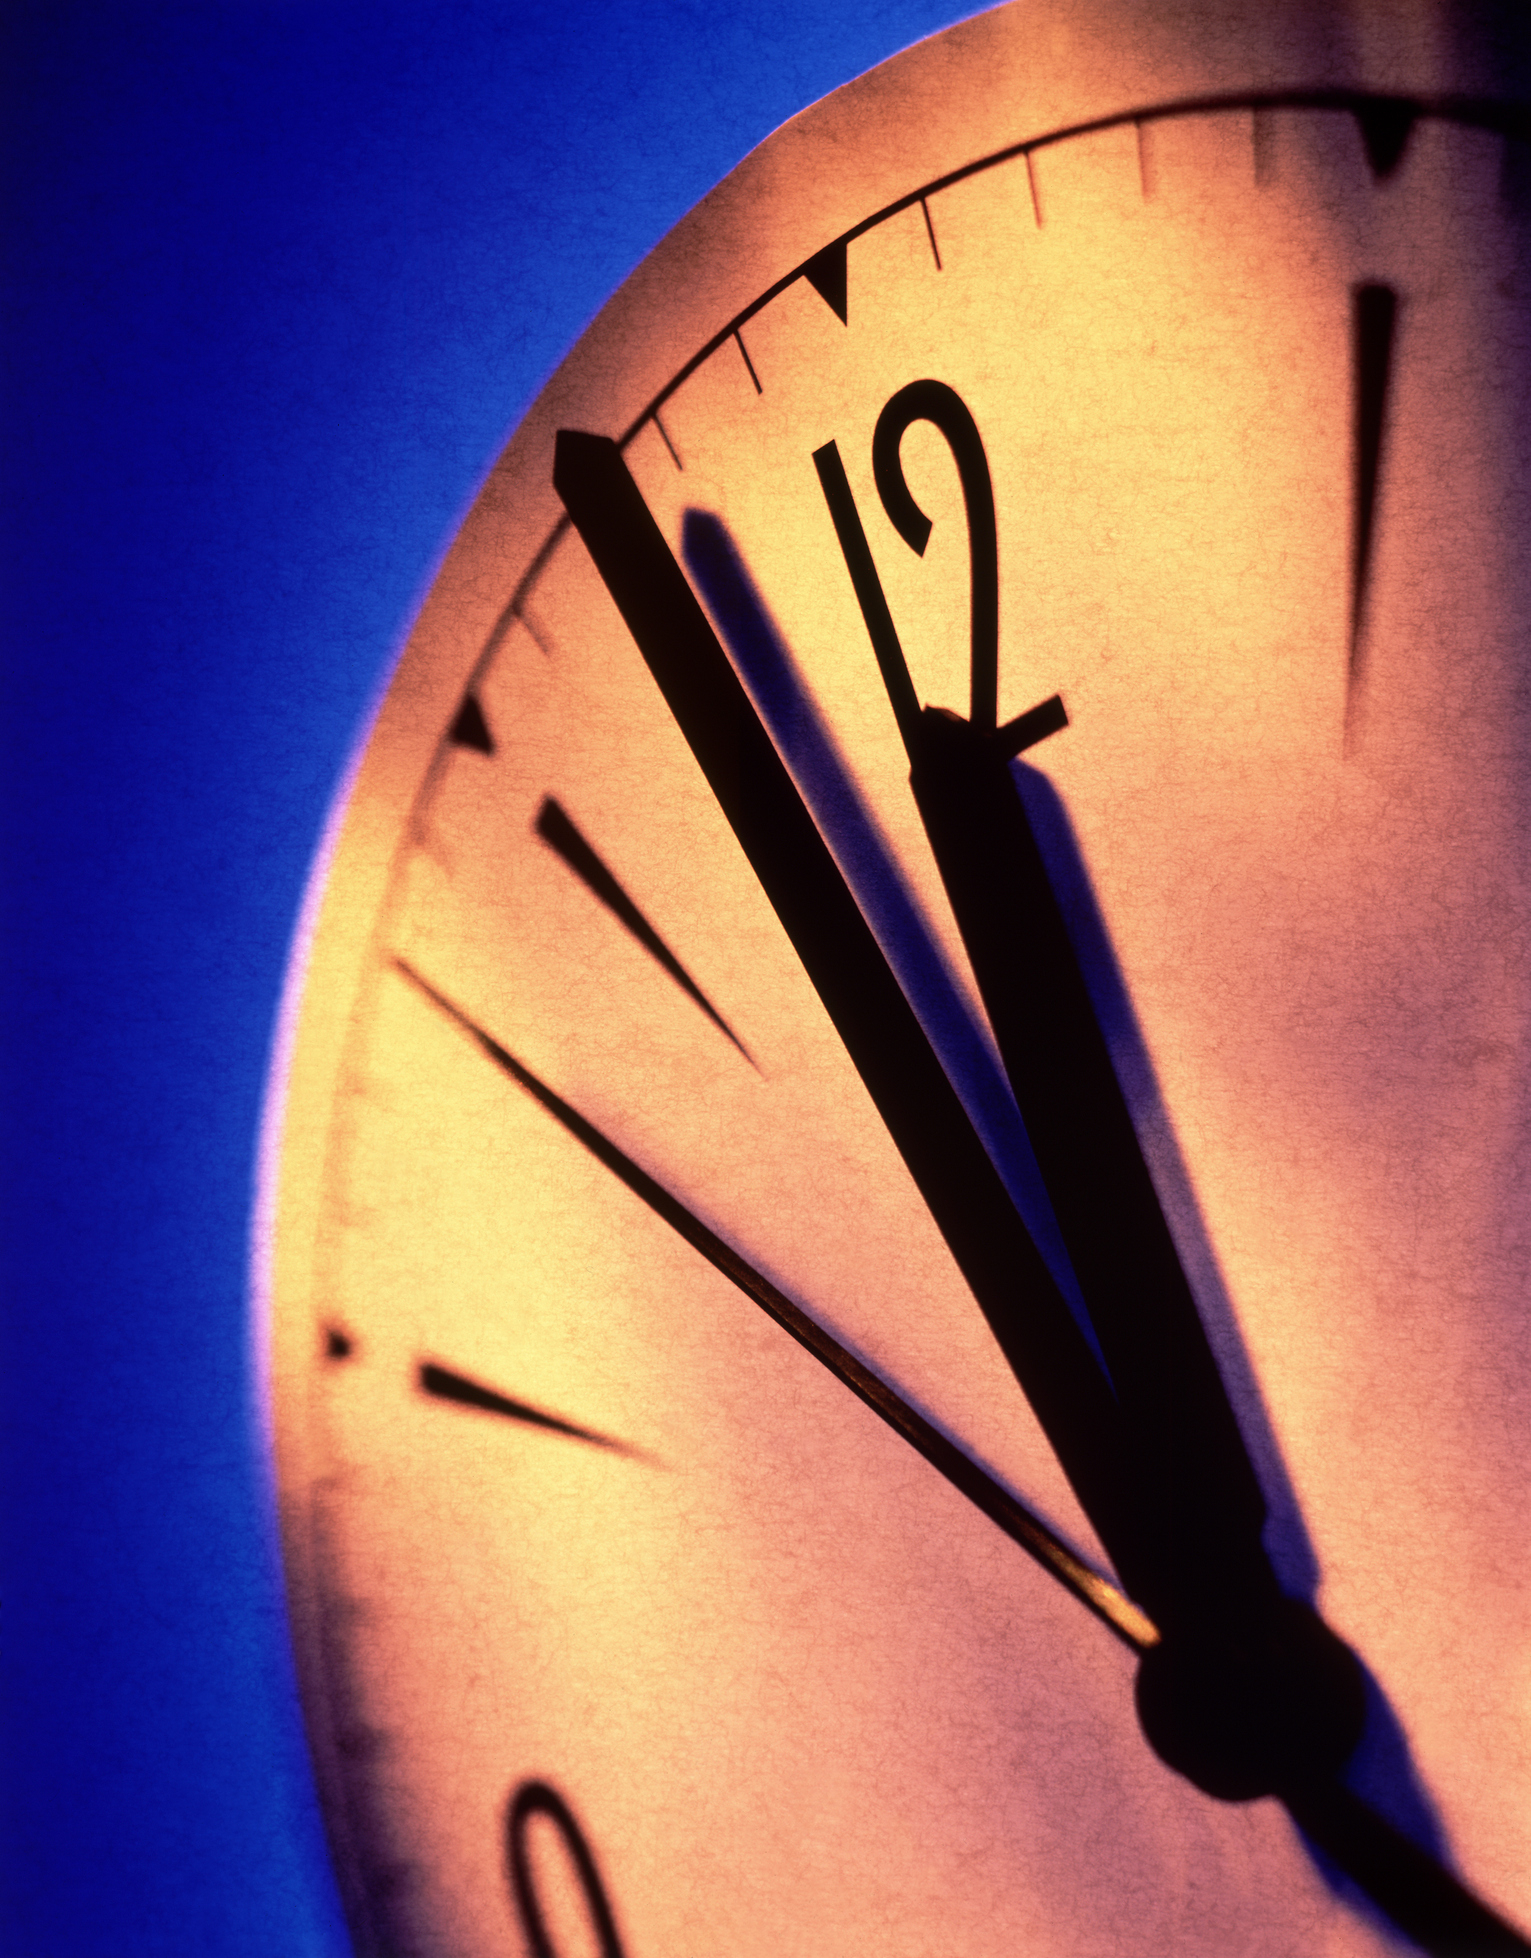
<point>735,1449</point>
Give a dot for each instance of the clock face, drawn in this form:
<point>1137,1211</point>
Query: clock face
<point>625,1623</point>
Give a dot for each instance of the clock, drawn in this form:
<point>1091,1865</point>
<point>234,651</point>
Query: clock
<point>898,1288</point>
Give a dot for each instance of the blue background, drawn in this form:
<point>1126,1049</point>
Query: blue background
<point>279,280</point>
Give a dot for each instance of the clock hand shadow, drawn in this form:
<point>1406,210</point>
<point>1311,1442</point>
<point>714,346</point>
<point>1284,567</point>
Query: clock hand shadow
<point>769,671</point>
<point>1381,1770</point>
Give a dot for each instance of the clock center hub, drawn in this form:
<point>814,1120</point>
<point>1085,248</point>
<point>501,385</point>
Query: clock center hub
<point>1264,1705</point>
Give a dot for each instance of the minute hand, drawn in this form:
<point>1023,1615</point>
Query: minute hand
<point>960,1187</point>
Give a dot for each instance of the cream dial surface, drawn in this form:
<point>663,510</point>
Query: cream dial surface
<point>800,1696</point>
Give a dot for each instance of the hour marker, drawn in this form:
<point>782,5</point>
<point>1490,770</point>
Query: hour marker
<point>534,1798</point>
<point>1124,1618</point>
<point>1375,318</point>
<point>929,401</point>
<point>443,1385</point>
<point>826,272</point>
<point>1386,125</point>
<point>944,408</point>
<point>557,830</point>
<point>469,729</point>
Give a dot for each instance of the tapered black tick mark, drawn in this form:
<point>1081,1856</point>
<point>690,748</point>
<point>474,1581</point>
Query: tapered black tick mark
<point>1374,324</point>
<point>826,272</point>
<point>1386,126</point>
<point>444,1385</point>
<point>470,729</point>
<point>557,830</point>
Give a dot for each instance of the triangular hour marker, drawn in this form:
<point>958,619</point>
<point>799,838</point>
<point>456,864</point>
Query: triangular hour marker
<point>470,729</point>
<point>1385,128</point>
<point>826,273</point>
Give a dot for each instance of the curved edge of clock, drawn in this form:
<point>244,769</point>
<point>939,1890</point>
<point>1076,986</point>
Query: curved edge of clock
<point>742,237</point>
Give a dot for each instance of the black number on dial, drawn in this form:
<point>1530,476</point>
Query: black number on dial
<point>935,402</point>
<point>537,1798</point>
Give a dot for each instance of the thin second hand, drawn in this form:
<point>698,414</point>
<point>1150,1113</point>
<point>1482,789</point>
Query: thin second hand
<point>1097,1593</point>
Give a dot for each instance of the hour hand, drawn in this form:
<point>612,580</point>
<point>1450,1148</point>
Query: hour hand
<point>1248,1688</point>
<point>1179,1420</point>
<point>1185,1441</point>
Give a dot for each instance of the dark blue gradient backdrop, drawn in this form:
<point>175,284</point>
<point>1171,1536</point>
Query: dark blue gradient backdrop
<point>278,281</point>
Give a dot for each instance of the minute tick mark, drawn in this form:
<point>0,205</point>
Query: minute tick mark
<point>744,354</point>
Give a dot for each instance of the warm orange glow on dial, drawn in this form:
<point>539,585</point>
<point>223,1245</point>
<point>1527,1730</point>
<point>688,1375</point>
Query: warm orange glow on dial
<point>798,1693</point>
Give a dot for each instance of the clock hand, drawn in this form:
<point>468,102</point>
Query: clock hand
<point>1257,1690</point>
<point>1176,1407</point>
<point>1247,1692</point>
<point>980,1488</point>
<point>1423,1898</point>
<point>960,1187</point>
<point>1248,1689</point>
<point>1426,1900</point>
<point>923,970</point>
<point>1184,1435</point>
